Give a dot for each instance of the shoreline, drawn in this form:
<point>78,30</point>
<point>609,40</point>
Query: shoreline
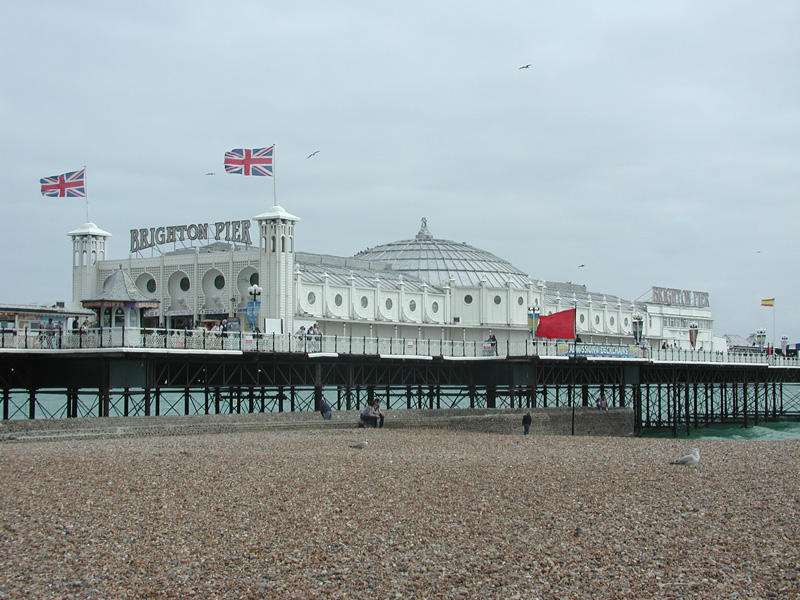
<point>418,514</point>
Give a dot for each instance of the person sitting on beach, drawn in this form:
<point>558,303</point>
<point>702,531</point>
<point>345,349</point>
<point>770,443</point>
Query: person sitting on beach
<point>376,410</point>
<point>368,417</point>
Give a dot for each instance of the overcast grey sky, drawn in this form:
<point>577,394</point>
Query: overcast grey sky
<point>658,143</point>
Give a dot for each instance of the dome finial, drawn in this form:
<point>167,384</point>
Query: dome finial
<point>424,234</point>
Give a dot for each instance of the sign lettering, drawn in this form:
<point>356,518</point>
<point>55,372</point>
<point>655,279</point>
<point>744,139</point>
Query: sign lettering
<point>680,297</point>
<point>229,231</point>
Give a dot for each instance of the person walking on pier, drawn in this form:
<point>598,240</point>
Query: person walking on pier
<point>526,423</point>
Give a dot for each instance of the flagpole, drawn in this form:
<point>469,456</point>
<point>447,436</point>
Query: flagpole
<point>86,188</point>
<point>274,179</point>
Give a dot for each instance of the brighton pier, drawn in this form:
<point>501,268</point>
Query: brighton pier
<point>126,373</point>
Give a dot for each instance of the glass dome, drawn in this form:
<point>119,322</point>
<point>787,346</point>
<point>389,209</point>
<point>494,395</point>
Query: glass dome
<point>439,261</point>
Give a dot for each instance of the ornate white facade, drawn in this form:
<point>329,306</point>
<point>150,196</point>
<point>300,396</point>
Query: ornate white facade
<point>424,288</point>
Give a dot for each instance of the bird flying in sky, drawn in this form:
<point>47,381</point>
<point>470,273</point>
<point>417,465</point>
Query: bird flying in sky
<point>525,67</point>
<point>312,154</point>
<point>210,173</point>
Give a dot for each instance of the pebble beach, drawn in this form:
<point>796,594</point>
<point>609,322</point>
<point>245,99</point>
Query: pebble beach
<point>415,514</point>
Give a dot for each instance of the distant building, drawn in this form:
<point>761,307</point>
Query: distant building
<point>36,316</point>
<point>422,287</point>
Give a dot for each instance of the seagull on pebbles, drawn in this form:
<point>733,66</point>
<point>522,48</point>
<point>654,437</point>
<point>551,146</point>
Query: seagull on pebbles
<point>360,445</point>
<point>689,459</point>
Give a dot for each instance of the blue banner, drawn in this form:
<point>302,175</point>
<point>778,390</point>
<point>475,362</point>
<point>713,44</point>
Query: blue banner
<point>252,312</point>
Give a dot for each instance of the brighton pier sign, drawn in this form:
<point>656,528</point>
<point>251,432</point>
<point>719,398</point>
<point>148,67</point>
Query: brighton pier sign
<point>229,231</point>
<point>680,297</point>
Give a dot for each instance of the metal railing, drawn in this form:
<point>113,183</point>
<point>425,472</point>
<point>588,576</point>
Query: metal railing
<point>203,340</point>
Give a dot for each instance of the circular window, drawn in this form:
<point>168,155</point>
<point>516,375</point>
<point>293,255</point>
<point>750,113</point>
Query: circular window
<point>435,307</point>
<point>312,297</point>
<point>626,322</point>
<point>254,279</point>
<point>467,299</point>
<point>597,320</point>
<point>219,282</point>
<point>151,285</point>
<point>364,302</point>
<point>185,285</point>
<point>611,321</point>
<point>520,301</point>
<point>583,318</point>
<point>389,304</point>
<point>338,300</point>
<point>497,300</point>
<point>412,305</point>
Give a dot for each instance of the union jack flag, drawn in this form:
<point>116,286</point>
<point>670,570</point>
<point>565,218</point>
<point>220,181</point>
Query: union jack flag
<point>68,185</point>
<point>249,162</point>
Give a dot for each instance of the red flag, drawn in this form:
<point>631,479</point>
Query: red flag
<point>560,325</point>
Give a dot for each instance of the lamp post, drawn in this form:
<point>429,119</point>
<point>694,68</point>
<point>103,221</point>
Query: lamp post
<point>255,291</point>
<point>761,336</point>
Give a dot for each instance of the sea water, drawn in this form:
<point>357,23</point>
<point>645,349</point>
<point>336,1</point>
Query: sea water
<point>764,431</point>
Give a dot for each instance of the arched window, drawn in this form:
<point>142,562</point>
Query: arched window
<point>119,318</point>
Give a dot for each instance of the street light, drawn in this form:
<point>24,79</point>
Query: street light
<point>255,291</point>
<point>761,336</point>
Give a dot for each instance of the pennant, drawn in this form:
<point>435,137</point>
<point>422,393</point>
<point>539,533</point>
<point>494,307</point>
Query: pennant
<point>560,325</point>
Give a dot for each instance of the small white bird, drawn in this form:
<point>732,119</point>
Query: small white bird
<point>360,445</point>
<point>312,154</point>
<point>689,459</point>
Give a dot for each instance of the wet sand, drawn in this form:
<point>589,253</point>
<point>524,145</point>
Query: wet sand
<point>417,514</point>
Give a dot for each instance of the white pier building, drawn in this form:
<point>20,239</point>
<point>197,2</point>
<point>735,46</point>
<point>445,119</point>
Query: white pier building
<point>419,288</point>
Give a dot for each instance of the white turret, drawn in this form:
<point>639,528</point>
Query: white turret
<point>276,244</point>
<point>88,249</point>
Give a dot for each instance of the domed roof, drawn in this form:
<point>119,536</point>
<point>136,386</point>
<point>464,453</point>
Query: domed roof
<point>437,261</point>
